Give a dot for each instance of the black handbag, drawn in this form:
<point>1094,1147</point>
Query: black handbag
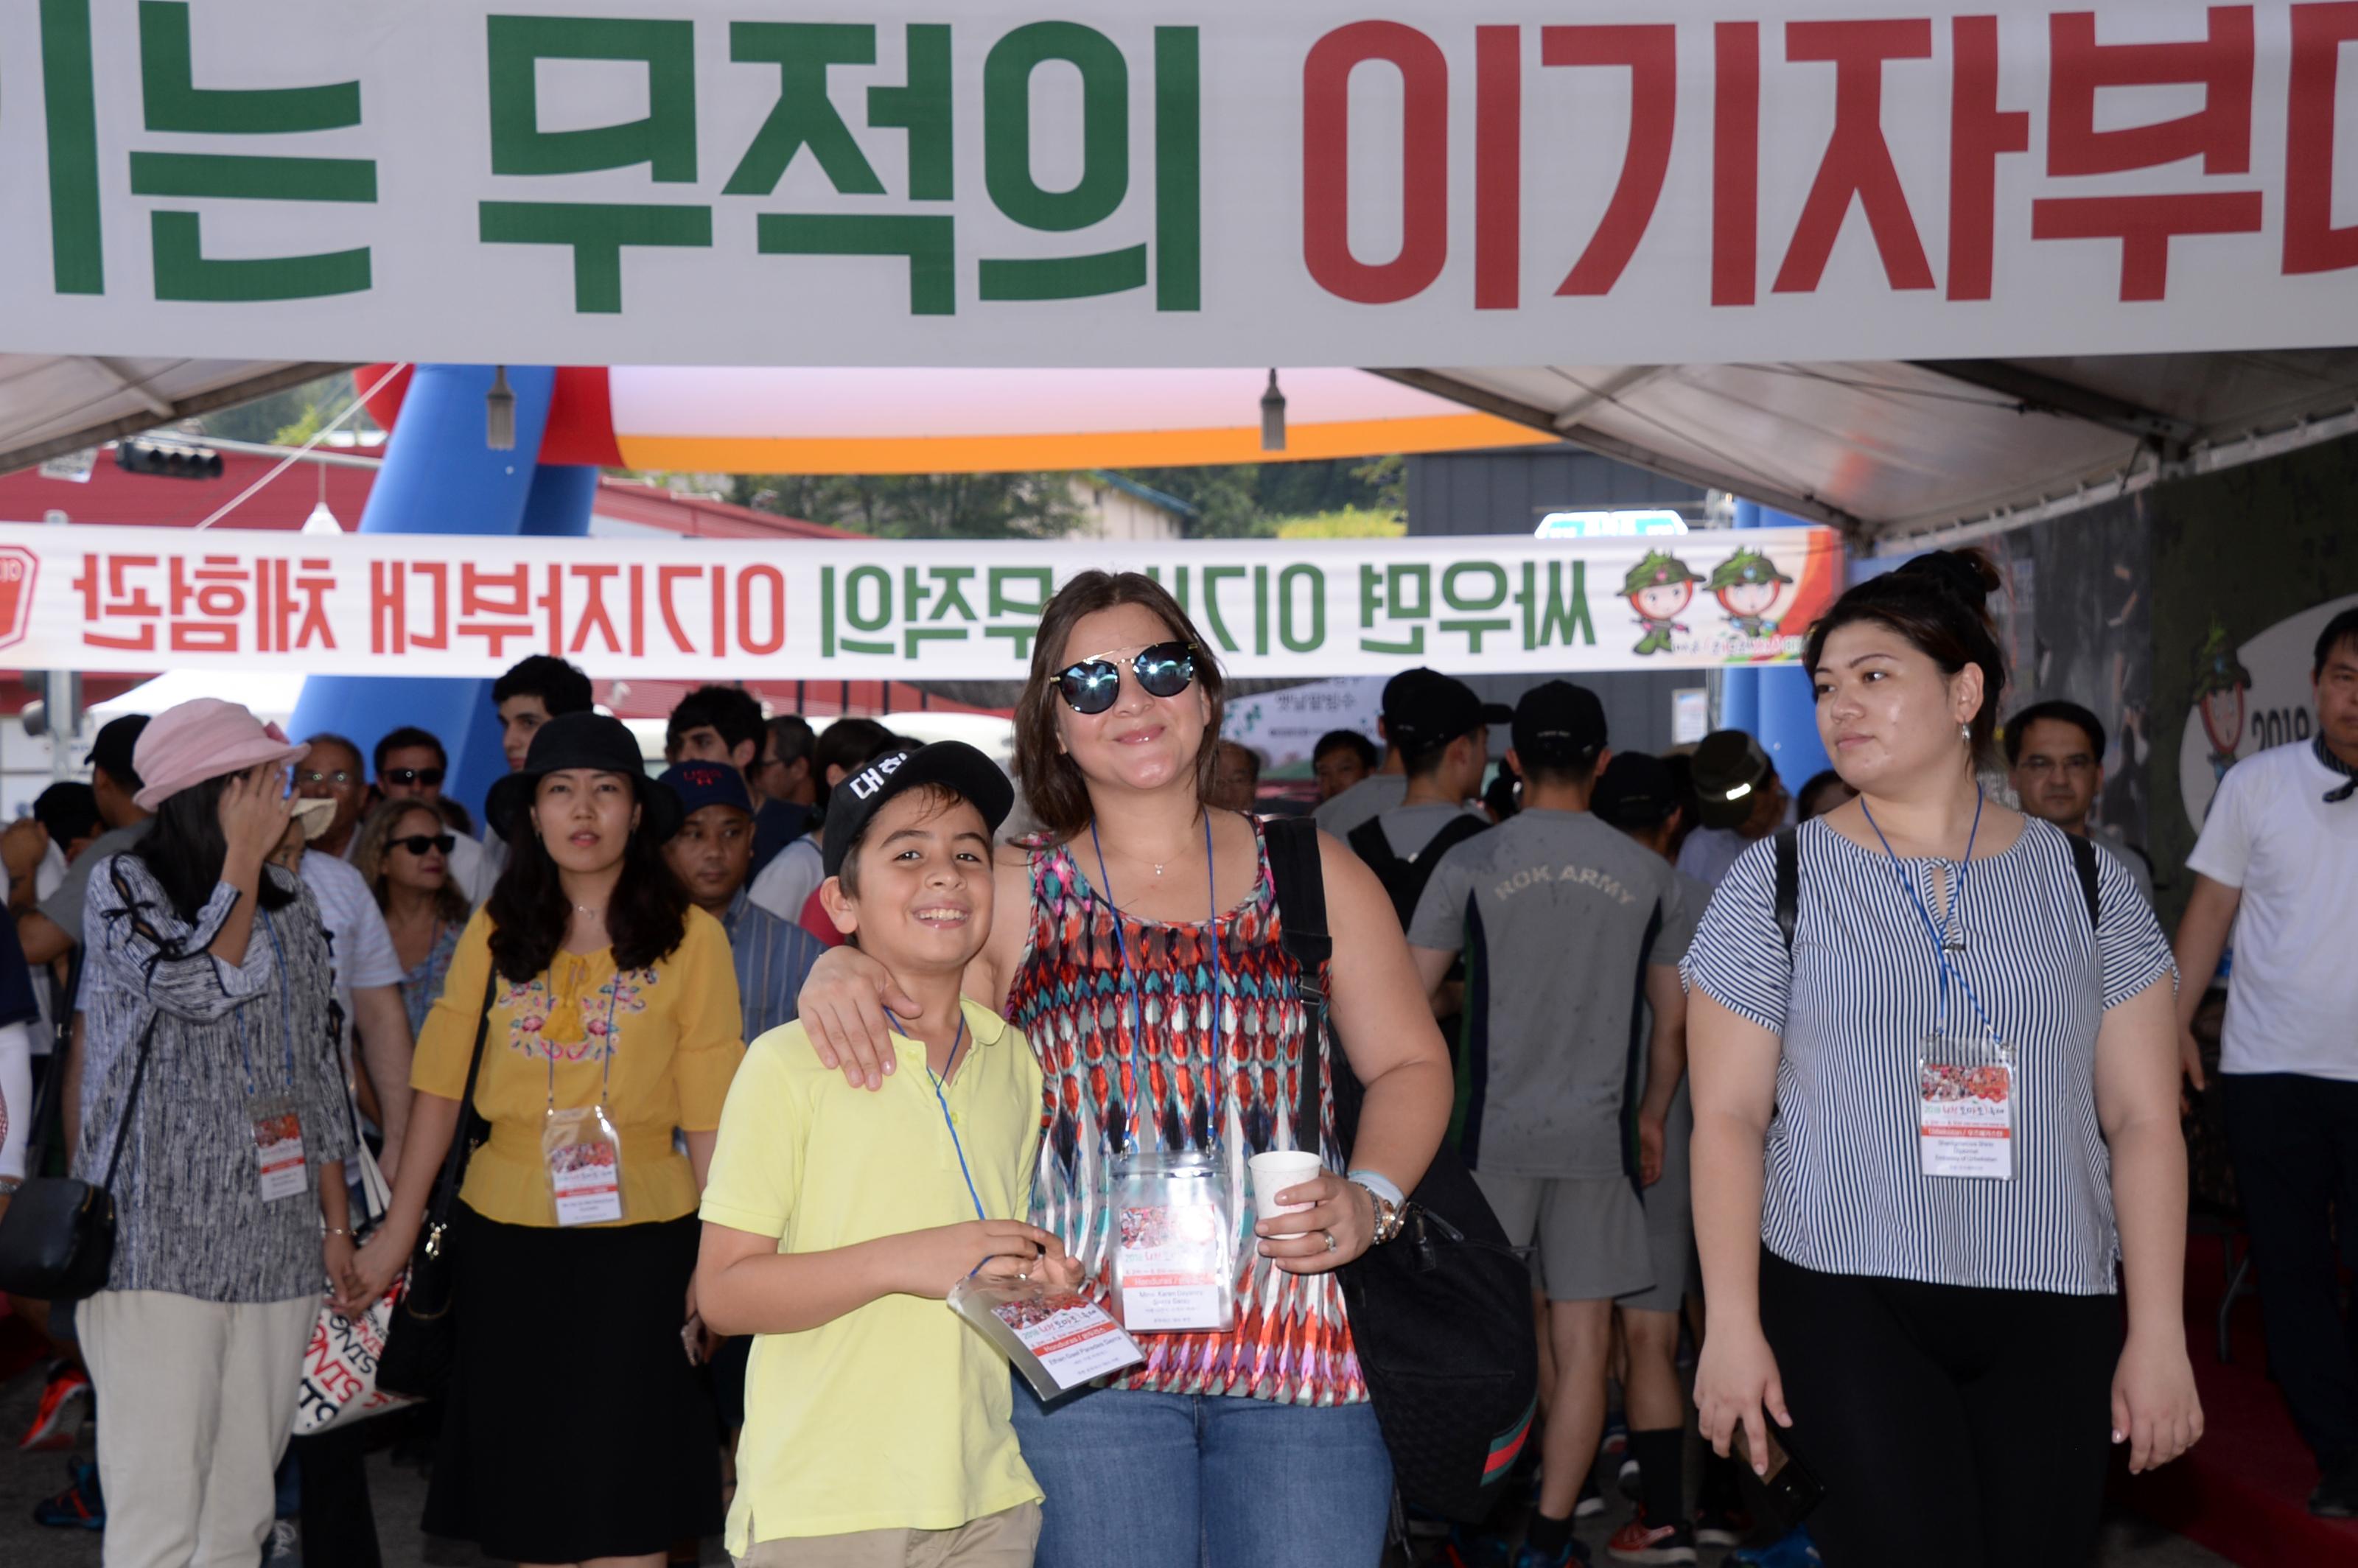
<point>1441,1316</point>
<point>56,1240</point>
<point>421,1346</point>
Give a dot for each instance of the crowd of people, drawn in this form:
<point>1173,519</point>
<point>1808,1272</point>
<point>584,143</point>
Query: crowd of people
<point>1861,1101</point>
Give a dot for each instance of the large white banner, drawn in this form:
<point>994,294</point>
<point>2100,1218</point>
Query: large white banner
<point>142,599</point>
<point>1174,182</point>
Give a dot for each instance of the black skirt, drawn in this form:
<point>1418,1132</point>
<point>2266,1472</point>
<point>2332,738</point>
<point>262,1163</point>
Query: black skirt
<point>576,1427</point>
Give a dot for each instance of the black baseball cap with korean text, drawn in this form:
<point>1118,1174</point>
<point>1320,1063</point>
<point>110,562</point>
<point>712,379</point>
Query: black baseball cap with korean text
<point>952,765</point>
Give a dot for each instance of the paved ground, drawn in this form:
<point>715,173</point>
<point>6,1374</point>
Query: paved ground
<point>400,1496</point>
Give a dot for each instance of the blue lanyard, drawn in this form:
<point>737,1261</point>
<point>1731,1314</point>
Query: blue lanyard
<point>606,1074</point>
<point>285,1014</point>
<point>1956,913</point>
<point>942,1099</point>
<point>1138,1078</point>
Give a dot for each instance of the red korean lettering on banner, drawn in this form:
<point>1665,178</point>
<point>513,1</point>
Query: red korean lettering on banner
<point>2313,243</point>
<point>495,607</point>
<point>768,609</point>
<point>594,616</point>
<point>2219,133</point>
<point>1980,132</point>
<point>1326,162</point>
<point>1651,54</point>
<point>1857,163</point>
<point>1736,163</point>
<point>1498,168</point>
<point>111,598</point>
<point>209,602</point>
<point>393,628</point>
<point>301,592</point>
<point>666,578</point>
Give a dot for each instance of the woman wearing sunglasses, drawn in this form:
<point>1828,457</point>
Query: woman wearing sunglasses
<point>405,854</point>
<point>1247,1437</point>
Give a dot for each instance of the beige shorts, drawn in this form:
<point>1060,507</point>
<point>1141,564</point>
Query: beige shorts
<point>1003,1539</point>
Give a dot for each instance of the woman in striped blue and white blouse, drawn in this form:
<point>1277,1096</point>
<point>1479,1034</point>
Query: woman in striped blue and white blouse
<point>1936,1127</point>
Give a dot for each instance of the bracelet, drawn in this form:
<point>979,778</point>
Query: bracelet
<point>9,1185</point>
<point>339,1230</point>
<point>1380,1184</point>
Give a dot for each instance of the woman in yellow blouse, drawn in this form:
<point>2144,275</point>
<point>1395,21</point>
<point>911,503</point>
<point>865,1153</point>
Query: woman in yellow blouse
<point>578,1427</point>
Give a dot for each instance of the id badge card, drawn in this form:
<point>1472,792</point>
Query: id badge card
<point>1057,1339</point>
<point>585,1165</point>
<point>1966,1108</point>
<point>278,1150</point>
<point>1174,1258</point>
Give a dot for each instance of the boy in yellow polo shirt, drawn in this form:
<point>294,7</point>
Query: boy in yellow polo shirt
<point>836,1220</point>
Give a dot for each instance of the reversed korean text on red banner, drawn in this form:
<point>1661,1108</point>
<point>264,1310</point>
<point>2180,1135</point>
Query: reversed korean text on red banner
<point>147,600</point>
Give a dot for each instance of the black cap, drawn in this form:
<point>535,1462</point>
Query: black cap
<point>582,740</point>
<point>1729,769</point>
<point>112,746</point>
<point>1636,791</point>
<point>1558,724</point>
<point>1424,709</point>
<point>952,765</point>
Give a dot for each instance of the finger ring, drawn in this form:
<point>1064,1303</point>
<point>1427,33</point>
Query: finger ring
<point>1331,1242</point>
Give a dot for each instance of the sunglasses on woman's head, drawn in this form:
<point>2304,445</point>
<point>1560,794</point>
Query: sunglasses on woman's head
<point>426,778</point>
<point>418,843</point>
<point>1164,669</point>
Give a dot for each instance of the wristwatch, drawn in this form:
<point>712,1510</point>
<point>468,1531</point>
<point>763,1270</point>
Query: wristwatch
<point>1390,1213</point>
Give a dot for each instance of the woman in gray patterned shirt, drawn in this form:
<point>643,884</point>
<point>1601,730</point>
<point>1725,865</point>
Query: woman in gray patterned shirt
<point>232,1151</point>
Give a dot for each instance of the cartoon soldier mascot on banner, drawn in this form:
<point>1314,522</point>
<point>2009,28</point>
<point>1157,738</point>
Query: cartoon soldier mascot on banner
<point>1657,589</point>
<point>1748,584</point>
<point>2221,685</point>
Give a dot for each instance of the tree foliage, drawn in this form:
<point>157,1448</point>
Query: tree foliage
<point>919,507</point>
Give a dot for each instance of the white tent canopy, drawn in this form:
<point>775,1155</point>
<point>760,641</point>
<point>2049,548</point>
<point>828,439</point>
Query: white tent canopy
<point>1890,451</point>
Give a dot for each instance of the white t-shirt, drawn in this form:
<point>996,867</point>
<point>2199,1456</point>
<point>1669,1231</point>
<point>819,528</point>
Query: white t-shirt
<point>2292,1003</point>
<point>786,884</point>
<point>360,948</point>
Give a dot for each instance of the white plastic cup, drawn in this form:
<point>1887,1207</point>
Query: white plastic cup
<point>1278,1171</point>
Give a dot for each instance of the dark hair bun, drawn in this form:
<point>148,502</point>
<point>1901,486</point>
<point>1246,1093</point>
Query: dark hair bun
<point>1969,574</point>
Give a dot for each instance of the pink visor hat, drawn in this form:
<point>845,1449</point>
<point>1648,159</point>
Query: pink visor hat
<point>204,740</point>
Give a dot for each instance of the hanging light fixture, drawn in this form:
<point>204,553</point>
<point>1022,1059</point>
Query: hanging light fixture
<point>1272,417</point>
<point>499,413</point>
<point>321,519</point>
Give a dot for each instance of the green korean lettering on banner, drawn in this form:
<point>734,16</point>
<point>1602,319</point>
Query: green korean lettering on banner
<point>172,102</point>
<point>664,140</point>
<point>805,116</point>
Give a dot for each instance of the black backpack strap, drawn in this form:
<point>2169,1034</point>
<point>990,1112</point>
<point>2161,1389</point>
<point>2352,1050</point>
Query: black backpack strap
<point>1300,883</point>
<point>1370,843</point>
<point>1789,884</point>
<point>2084,861</point>
<point>1461,827</point>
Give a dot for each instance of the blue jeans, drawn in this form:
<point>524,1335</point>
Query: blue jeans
<point>1140,1480</point>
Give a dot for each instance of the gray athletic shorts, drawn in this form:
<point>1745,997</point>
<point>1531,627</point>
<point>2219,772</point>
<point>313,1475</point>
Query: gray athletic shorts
<point>1670,1216</point>
<point>1590,1230</point>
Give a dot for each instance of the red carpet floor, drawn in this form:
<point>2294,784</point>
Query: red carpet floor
<point>2243,1491</point>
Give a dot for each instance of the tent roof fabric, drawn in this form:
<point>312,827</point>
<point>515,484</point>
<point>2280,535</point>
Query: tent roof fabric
<point>1896,449</point>
<point>52,404</point>
<point>1890,451</point>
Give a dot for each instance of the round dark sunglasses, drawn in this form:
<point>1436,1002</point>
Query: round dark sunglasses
<point>418,843</point>
<point>426,778</point>
<point>1165,669</point>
